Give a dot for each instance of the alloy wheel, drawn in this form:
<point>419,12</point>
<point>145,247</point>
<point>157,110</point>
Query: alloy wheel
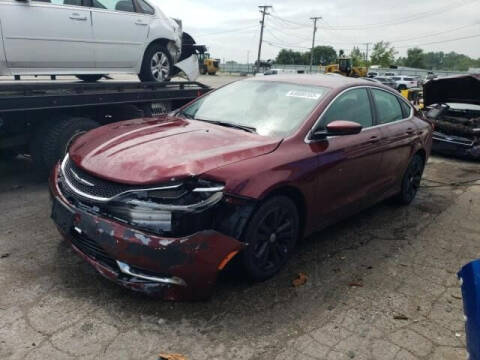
<point>160,66</point>
<point>273,238</point>
<point>413,179</point>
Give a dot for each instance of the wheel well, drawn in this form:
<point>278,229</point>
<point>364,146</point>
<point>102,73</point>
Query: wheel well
<point>299,200</point>
<point>422,154</point>
<point>163,42</point>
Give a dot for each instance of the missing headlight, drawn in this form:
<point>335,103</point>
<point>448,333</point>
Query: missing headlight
<point>166,210</point>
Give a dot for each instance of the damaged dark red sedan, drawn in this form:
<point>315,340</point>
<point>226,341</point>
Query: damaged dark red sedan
<point>162,205</point>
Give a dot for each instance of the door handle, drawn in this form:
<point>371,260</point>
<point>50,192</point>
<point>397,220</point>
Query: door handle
<point>373,140</point>
<point>410,131</point>
<point>140,22</point>
<point>76,16</point>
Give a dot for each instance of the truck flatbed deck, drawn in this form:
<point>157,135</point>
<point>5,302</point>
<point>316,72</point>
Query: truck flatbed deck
<point>43,118</point>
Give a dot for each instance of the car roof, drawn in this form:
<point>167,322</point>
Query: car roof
<point>315,80</point>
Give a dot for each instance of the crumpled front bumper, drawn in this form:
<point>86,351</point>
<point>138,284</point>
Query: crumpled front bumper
<point>455,145</point>
<point>189,265</point>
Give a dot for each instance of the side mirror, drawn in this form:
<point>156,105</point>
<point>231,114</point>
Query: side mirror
<point>337,128</point>
<point>342,127</point>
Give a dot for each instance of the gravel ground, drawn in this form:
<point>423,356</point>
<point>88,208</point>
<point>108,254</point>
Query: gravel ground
<point>381,285</point>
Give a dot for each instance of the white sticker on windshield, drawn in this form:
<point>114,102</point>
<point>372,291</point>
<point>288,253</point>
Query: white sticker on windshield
<point>304,94</point>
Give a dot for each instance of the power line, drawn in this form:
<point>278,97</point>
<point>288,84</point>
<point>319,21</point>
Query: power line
<point>449,7</point>
<point>290,22</point>
<point>228,31</point>
<point>289,37</point>
<point>285,46</point>
<point>441,41</point>
<point>282,30</point>
<point>433,34</point>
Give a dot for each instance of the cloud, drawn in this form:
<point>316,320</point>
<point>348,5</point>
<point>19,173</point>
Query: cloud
<point>231,28</point>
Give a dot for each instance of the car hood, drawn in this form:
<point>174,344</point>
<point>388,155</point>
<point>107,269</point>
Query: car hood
<point>147,151</point>
<point>453,89</point>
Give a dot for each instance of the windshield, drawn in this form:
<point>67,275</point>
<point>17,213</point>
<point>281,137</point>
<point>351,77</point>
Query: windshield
<point>270,108</point>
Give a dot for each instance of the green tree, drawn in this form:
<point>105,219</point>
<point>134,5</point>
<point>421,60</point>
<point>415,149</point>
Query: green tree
<point>415,58</point>
<point>289,57</point>
<point>383,54</point>
<point>434,60</point>
<point>358,58</point>
<point>322,55</point>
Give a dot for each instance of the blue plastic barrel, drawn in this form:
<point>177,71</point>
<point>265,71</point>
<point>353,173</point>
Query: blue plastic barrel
<point>469,277</point>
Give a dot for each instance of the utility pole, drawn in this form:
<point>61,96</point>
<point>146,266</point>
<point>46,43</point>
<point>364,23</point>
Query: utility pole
<point>315,18</point>
<point>263,10</point>
<point>366,55</point>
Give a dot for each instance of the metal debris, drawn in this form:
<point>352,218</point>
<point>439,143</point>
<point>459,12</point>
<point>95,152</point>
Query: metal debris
<point>171,357</point>
<point>300,280</point>
<point>400,317</point>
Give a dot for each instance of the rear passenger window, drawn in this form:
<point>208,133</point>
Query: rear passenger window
<point>405,108</point>
<point>388,107</point>
<point>353,105</point>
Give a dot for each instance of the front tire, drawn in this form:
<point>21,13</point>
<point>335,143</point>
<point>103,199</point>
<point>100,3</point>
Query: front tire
<point>7,154</point>
<point>89,78</point>
<point>411,180</point>
<point>271,236</point>
<point>157,64</point>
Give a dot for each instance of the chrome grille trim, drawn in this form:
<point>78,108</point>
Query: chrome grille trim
<point>101,199</point>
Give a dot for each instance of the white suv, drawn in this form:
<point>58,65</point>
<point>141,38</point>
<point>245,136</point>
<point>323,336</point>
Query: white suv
<point>91,38</point>
<point>404,82</point>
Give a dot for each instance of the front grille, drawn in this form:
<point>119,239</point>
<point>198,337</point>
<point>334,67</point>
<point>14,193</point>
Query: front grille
<point>90,185</point>
<point>452,138</point>
<point>91,249</point>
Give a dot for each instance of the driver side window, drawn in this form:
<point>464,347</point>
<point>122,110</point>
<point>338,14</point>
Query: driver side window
<point>353,105</point>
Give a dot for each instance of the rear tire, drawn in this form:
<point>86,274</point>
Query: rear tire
<point>411,180</point>
<point>8,154</point>
<point>89,78</point>
<point>157,64</point>
<point>271,235</point>
<point>51,143</point>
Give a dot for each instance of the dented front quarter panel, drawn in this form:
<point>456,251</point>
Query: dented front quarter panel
<point>195,258</point>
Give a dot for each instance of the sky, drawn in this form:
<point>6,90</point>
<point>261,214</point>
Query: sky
<point>231,28</point>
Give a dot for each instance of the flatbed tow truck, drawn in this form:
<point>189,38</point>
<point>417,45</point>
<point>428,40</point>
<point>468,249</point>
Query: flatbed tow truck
<point>42,119</point>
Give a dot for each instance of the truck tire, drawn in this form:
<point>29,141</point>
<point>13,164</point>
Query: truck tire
<point>157,64</point>
<point>89,78</point>
<point>52,142</point>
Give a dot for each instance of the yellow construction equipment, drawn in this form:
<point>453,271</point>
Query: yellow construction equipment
<point>344,67</point>
<point>207,64</point>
